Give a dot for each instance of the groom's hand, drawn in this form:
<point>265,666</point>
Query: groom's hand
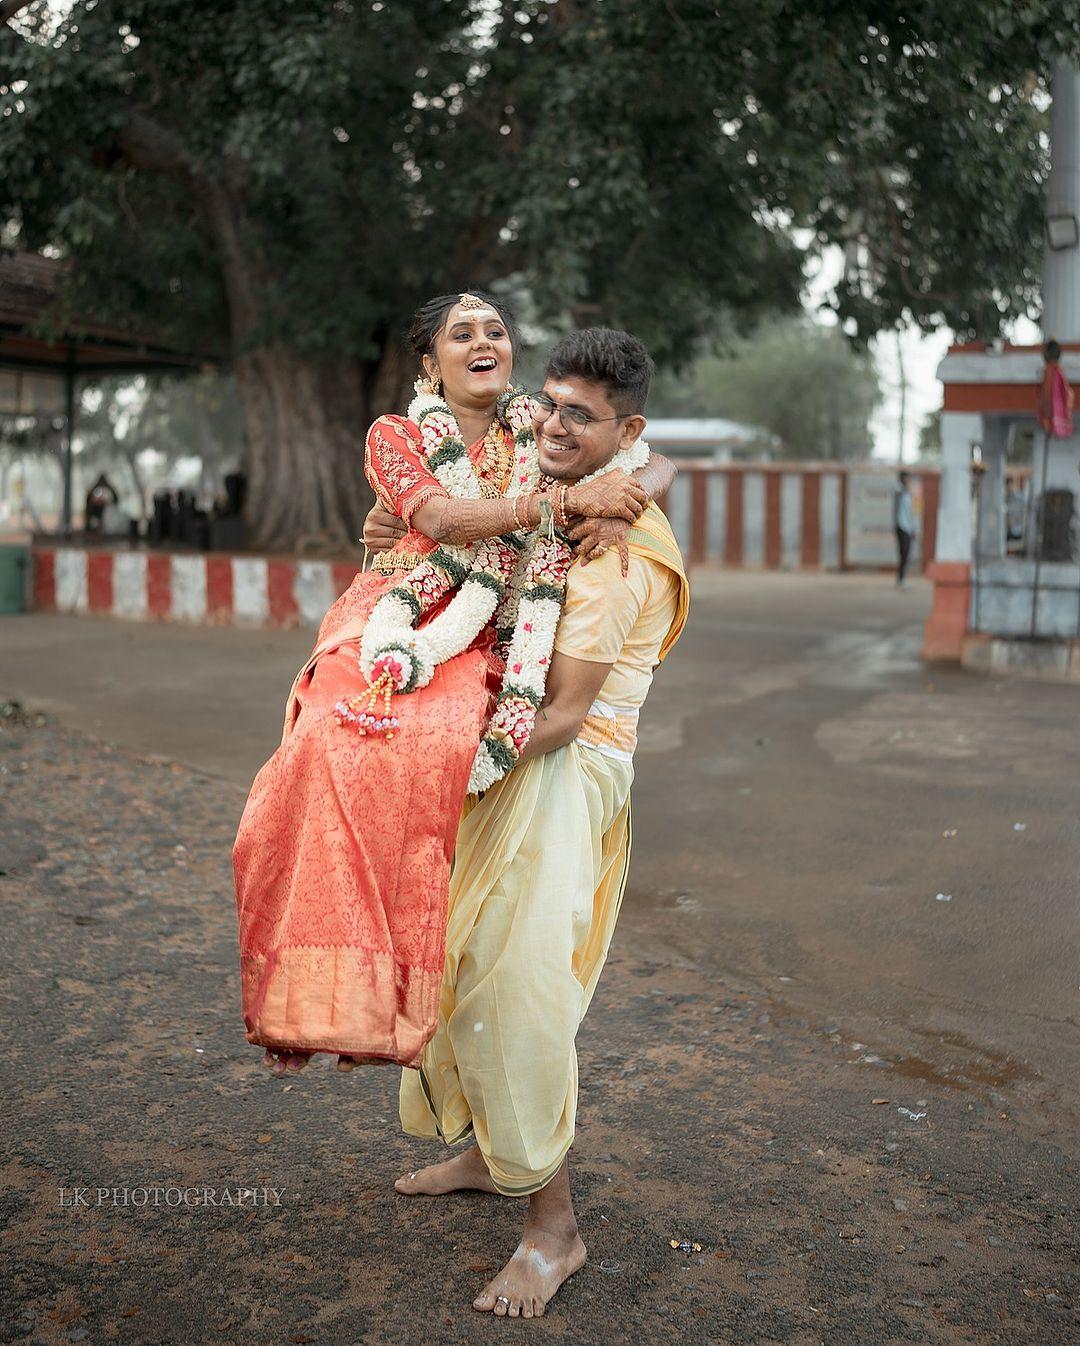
<point>382,530</point>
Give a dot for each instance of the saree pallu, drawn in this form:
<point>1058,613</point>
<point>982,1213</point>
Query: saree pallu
<point>343,852</point>
<point>538,881</point>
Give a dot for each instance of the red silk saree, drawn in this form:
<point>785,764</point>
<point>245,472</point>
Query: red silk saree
<point>342,857</point>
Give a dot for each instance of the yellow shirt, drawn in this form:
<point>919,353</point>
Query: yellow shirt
<point>607,619</point>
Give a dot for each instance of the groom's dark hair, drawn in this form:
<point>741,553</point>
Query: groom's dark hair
<point>603,355</point>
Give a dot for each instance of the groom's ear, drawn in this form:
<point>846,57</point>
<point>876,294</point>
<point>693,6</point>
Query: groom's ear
<point>632,429</point>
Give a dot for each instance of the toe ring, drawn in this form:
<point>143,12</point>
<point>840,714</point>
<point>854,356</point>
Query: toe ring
<point>502,1299</point>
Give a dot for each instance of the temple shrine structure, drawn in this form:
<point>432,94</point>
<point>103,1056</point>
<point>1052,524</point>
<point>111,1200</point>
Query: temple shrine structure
<point>1006,571</point>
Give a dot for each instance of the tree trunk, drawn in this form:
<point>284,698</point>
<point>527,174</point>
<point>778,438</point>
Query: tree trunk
<point>305,418</point>
<point>131,458</point>
<point>305,424</point>
<point>213,454</point>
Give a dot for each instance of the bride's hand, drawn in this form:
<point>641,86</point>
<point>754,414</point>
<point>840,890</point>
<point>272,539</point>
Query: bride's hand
<point>382,530</point>
<point>594,536</point>
<point>612,496</point>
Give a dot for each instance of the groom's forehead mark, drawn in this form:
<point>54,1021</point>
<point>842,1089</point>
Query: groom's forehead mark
<point>567,390</point>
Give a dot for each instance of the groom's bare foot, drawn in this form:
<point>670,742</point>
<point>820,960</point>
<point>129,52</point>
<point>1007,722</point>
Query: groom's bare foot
<point>542,1261</point>
<point>465,1172</point>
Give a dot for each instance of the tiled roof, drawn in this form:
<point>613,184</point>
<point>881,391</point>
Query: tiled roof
<point>28,287</point>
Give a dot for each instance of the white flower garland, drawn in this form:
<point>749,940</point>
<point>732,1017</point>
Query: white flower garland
<point>533,611</point>
<point>518,579</point>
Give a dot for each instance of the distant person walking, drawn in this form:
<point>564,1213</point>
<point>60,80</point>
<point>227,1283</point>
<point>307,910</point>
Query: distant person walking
<point>904,522</point>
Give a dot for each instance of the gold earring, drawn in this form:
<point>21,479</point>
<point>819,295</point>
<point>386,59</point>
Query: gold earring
<point>431,384</point>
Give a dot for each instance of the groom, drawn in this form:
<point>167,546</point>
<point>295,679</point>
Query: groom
<point>541,860</point>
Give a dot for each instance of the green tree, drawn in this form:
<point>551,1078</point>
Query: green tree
<point>804,383</point>
<point>36,439</point>
<point>285,182</point>
<point>930,436</point>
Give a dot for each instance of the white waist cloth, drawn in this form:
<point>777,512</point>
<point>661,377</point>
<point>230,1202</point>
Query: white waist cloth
<point>611,730</point>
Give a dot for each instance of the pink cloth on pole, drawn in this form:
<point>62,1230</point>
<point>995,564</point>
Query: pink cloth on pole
<point>1056,403</point>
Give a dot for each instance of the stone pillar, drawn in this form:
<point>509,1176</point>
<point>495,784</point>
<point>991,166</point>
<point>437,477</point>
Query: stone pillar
<point>959,431</point>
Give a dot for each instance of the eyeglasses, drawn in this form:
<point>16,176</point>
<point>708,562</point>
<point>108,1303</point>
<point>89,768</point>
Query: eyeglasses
<point>576,422</point>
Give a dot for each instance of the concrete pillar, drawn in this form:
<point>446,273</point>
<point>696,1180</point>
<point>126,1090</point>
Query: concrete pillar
<point>959,430</point>
<point>991,539</point>
<point>1061,268</point>
<point>950,571</point>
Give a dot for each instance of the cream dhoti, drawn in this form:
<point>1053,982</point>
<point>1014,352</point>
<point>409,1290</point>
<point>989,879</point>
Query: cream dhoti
<point>538,878</point>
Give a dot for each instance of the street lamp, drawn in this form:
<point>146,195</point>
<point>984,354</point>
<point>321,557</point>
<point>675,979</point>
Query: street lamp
<point>1062,232</point>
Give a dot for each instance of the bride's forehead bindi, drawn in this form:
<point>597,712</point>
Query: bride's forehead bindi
<point>474,317</point>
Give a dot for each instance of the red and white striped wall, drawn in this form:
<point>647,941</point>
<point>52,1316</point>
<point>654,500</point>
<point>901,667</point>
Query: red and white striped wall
<point>215,589</point>
<point>783,516</point>
<point>775,516</point>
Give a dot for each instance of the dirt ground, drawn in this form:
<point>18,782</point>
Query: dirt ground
<point>864,1116</point>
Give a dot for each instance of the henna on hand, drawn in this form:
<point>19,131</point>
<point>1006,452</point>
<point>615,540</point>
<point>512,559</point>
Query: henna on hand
<point>595,536</point>
<point>612,496</point>
<point>461,522</point>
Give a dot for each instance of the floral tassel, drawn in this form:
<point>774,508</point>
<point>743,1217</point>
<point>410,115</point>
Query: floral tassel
<point>359,710</point>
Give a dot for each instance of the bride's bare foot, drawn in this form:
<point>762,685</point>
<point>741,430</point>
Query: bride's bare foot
<point>465,1172</point>
<point>279,1061</point>
<point>541,1262</point>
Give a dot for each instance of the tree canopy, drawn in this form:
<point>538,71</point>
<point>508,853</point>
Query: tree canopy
<point>285,182</point>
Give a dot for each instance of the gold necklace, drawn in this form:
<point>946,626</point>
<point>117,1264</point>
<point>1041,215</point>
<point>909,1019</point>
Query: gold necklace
<point>494,470</point>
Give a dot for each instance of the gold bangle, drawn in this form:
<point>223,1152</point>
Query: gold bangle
<point>560,509</point>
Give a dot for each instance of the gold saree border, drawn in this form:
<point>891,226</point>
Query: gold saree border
<point>335,1000</point>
